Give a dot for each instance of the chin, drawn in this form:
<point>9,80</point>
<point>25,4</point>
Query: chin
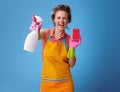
<point>61,28</point>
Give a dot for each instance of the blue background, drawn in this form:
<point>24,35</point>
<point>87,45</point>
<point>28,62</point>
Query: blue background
<point>98,58</point>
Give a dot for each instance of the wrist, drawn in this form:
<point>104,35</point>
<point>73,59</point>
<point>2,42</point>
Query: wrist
<point>71,53</point>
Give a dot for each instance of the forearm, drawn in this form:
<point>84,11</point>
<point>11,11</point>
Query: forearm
<point>71,56</point>
<point>74,41</point>
<point>72,61</point>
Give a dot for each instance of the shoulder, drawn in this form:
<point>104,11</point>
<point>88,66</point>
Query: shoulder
<point>67,38</point>
<point>67,35</point>
<point>49,30</point>
<point>45,33</point>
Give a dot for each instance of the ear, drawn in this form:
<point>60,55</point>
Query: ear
<point>54,22</point>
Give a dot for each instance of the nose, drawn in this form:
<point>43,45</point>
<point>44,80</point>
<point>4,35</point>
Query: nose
<point>61,20</point>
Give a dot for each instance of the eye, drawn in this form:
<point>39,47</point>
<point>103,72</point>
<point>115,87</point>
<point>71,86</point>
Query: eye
<point>58,17</point>
<point>65,18</point>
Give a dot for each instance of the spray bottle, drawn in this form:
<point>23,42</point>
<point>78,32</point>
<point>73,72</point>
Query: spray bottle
<point>32,38</point>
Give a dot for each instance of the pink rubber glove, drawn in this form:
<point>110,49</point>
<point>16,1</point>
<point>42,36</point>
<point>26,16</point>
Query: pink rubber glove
<point>36,23</point>
<point>75,39</point>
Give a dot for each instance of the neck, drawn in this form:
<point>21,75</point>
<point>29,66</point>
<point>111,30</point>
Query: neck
<point>57,33</point>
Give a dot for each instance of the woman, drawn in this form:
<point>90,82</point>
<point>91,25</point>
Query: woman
<point>56,75</point>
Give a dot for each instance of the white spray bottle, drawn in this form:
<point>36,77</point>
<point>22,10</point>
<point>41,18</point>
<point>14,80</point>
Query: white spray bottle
<point>32,38</point>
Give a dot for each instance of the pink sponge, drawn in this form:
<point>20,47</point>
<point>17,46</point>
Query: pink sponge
<point>76,34</point>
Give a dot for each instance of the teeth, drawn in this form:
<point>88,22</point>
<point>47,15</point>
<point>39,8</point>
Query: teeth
<point>61,25</point>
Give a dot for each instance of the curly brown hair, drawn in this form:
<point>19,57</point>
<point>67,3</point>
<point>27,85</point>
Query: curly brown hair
<point>61,7</point>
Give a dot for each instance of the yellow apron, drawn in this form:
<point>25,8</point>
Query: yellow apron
<point>55,69</point>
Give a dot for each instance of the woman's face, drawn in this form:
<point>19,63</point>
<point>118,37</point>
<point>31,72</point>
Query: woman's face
<point>61,20</point>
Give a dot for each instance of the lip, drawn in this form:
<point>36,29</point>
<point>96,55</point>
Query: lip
<point>61,25</point>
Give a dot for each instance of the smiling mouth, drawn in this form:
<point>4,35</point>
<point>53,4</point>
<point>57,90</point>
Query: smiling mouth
<point>62,25</point>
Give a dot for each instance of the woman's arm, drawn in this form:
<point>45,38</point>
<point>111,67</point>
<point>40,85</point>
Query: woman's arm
<point>42,34</point>
<point>72,61</point>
